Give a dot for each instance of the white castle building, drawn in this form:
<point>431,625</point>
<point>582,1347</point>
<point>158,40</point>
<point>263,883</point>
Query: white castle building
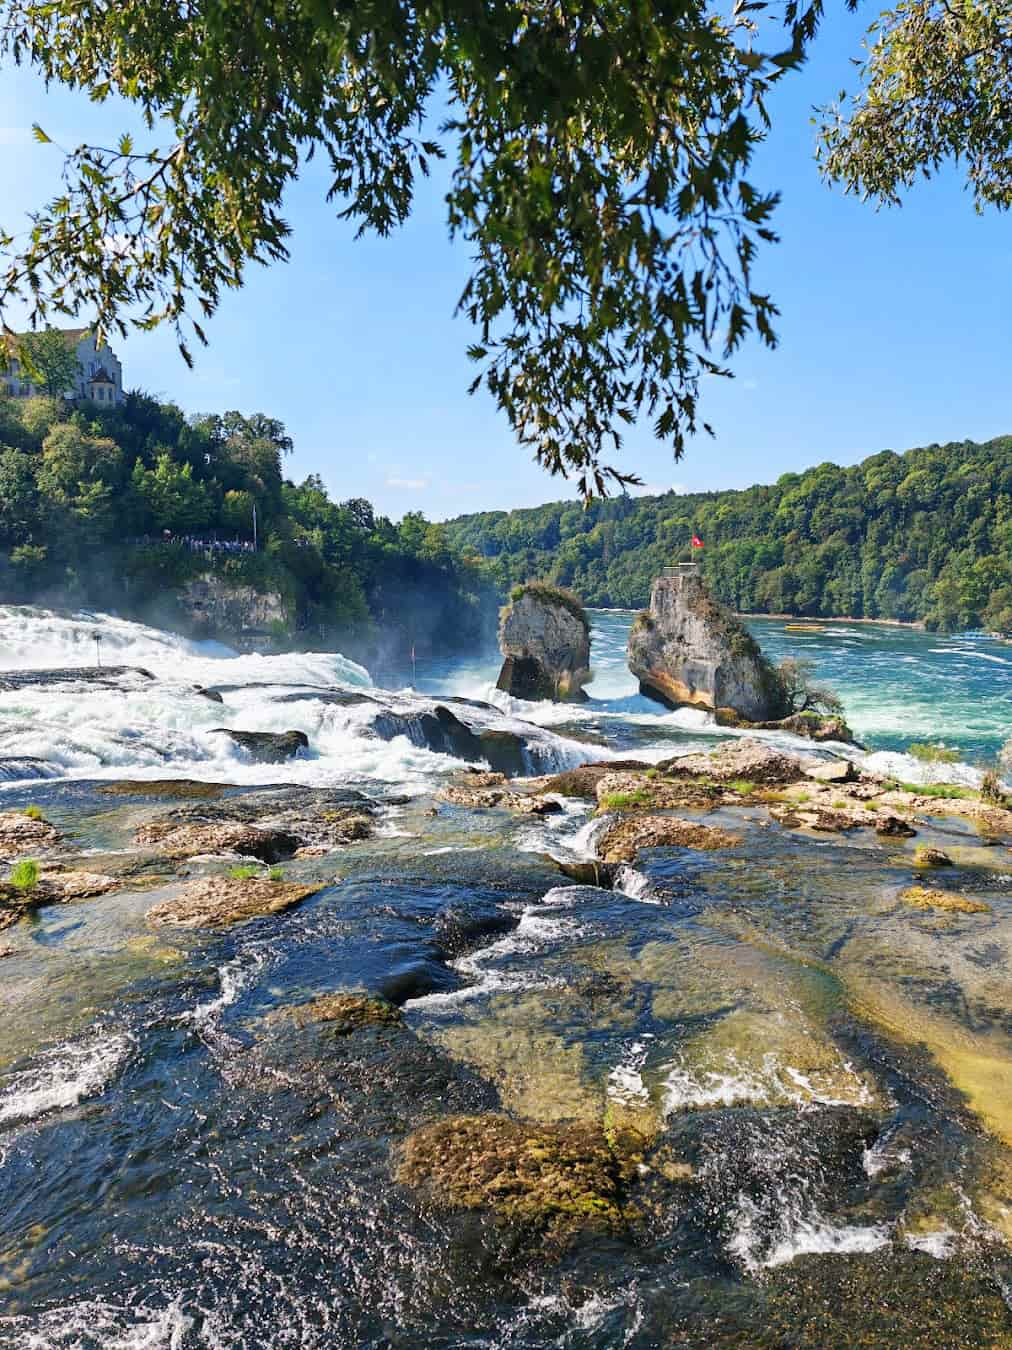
<point>99,372</point>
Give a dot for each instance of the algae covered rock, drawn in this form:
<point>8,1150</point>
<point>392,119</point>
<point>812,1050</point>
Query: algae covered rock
<point>544,636</point>
<point>623,841</point>
<point>930,897</point>
<point>345,1013</point>
<point>216,902</point>
<point>687,649</point>
<point>554,1181</point>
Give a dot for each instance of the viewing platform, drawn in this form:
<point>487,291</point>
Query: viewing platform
<point>684,569</point>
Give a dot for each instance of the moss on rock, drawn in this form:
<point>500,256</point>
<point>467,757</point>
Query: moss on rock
<point>554,1181</point>
<point>929,897</point>
<point>346,1013</point>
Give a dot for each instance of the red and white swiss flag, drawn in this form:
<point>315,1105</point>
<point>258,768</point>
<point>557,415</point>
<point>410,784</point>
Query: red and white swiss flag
<point>696,541</point>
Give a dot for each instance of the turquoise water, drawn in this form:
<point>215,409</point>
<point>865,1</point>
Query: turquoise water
<point>898,685</point>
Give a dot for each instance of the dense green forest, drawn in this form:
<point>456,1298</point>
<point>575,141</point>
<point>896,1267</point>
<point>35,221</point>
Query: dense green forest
<point>925,535</point>
<point>120,507</point>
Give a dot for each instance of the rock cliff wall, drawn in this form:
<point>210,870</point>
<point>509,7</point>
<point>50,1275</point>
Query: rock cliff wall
<point>687,649</point>
<point>218,608</point>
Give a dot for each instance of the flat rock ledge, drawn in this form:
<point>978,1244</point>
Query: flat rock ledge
<point>21,834</point>
<point>216,902</point>
<point>173,840</point>
<point>624,840</point>
<point>53,888</point>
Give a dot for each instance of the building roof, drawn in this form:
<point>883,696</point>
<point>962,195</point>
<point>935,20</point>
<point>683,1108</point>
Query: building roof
<point>102,376</point>
<point>72,335</point>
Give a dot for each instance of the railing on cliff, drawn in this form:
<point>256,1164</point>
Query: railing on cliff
<point>685,569</point>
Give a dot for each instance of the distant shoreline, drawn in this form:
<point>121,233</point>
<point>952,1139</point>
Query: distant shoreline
<point>836,618</point>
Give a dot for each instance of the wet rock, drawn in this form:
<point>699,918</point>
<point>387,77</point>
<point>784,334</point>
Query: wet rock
<point>747,760</point>
<point>590,873</point>
<point>6,951</point>
<point>930,897</point>
<point>106,676</point>
<point>892,827</point>
<point>477,778</point>
<point>583,781</point>
<point>15,767</point>
<point>544,637</point>
<point>215,902</point>
<point>189,841</point>
<point>812,726</point>
<point>552,1181</point>
<point>211,694</point>
<point>486,798</point>
<point>345,1013</point>
<point>799,817</point>
<point>931,857</point>
<point>185,788</point>
<point>268,747</point>
<point>835,771</point>
<point>21,834</point>
<point>636,791</point>
<point>687,649</point>
<point>624,840</point>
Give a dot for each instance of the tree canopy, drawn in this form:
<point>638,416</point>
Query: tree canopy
<point>599,175</point>
<point>936,87</point>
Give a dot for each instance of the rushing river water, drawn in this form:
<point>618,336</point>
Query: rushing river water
<point>822,1077</point>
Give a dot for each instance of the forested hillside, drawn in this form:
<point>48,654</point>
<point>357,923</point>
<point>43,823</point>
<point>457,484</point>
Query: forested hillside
<point>120,507</point>
<point>922,535</point>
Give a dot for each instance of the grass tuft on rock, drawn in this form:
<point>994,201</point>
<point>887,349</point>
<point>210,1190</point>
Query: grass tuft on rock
<point>25,875</point>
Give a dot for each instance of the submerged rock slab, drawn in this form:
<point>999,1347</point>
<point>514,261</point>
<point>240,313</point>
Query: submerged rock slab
<point>53,888</point>
<point>624,840</point>
<point>176,840</point>
<point>553,1180</point>
<point>216,902</point>
<point>100,675</point>
<point>21,834</point>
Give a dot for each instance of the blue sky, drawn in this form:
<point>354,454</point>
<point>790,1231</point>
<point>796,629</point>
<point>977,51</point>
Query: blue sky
<point>894,328</point>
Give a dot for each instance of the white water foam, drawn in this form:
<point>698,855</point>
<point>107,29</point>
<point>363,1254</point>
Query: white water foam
<point>797,1235</point>
<point>93,1323</point>
<point>625,1079</point>
<point>64,1075</point>
<point>731,1083</point>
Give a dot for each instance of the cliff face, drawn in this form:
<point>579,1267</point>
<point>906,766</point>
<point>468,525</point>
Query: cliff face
<point>221,609</point>
<point>545,641</point>
<point>689,650</point>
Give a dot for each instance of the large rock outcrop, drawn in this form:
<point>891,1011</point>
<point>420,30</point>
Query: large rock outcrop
<point>215,607</point>
<point>544,637</point>
<point>688,650</point>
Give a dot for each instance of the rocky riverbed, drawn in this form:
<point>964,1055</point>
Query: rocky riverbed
<point>702,1042</point>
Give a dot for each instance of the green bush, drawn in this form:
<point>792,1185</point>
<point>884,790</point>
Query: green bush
<point>24,874</point>
<point>620,801</point>
<point>33,812</point>
<point>276,874</point>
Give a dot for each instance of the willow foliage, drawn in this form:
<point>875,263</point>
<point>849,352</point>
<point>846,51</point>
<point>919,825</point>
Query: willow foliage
<point>599,153</point>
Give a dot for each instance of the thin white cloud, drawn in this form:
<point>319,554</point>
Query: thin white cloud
<point>408,484</point>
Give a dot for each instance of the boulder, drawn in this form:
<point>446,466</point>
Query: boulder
<point>835,771</point>
<point>892,827</point>
<point>747,760</point>
<point>583,781</point>
<point>21,834</point>
<point>689,650</point>
<point>544,637</point>
<point>268,747</point>
<point>931,857</point>
<point>345,1013</point>
<point>176,840</point>
<point>214,902</point>
<point>104,676</point>
<point>623,841</point>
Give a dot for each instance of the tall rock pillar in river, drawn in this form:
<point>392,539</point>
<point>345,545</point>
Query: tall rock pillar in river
<point>544,637</point>
<point>688,650</point>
